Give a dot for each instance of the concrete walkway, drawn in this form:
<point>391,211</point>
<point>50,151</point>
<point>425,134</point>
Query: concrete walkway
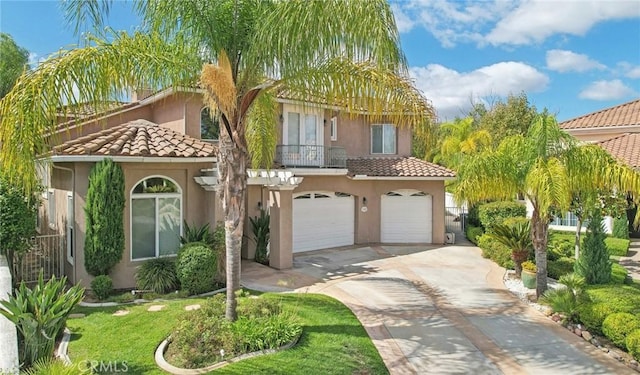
<point>632,261</point>
<point>437,310</point>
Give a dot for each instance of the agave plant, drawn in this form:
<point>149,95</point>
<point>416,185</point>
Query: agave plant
<point>516,237</point>
<point>196,234</point>
<point>260,228</point>
<point>40,314</point>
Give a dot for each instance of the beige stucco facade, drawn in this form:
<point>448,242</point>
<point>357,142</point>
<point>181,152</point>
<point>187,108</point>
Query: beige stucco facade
<point>198,207</point>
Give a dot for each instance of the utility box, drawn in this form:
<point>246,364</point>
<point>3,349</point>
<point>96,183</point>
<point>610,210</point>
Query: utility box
<point>450,238</point>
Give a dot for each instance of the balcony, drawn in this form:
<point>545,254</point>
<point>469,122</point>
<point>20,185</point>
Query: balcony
<point>311,156</point>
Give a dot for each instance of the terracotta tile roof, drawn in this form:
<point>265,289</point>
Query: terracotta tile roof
<point>396,167</point>
<point>620,115</point>
<point>137,138</point>
<point>624,147</point>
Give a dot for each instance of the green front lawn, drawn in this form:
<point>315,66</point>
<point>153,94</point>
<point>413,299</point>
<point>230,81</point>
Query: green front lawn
<point>333,341</point>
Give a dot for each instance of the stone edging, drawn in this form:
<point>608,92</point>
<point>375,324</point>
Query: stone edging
<point>140,301</point>
<point>62,351</point>
<point>166,366</point>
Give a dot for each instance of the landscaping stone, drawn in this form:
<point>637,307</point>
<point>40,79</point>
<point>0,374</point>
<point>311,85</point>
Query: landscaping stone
<point>587,335</point>
<point>556,318</point>
<point>76,316</point>
<point>577,331</point>
<point>155,308</point>
<point>121,313</point>
<point>614,355</point>
<point>606,350</point>
<point>192,307</point>
<point>596,342</point>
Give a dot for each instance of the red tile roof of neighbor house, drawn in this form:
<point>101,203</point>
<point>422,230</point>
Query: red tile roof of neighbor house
<point>396,167</point>
<point>137,138</point>
<point>624,147</point>
<point>621,115</point>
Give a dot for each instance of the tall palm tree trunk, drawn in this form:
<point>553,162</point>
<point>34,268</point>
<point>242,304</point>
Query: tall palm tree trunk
<point>539,231</point>
<point>233,162</point>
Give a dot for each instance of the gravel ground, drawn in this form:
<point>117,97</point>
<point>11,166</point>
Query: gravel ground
<point>525,294</point>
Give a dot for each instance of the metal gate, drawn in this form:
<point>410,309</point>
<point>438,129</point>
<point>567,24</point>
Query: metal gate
<point>455,219</point>
<point>45,255</point>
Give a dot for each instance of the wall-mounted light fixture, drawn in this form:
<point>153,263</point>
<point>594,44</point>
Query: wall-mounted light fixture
<point>281,118</point>
<point>364,201</point>
<point>259,205</point>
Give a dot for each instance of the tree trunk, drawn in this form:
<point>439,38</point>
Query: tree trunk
<point>232,164</point>
<point>518,257</point>
<point>577,244</point>
<point>539,229</point>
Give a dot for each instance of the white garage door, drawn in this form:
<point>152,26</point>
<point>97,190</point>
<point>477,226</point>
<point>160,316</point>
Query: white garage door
<point>322,220</point>
<point>406,217</point>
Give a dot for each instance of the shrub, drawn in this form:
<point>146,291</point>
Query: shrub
<point>496,212</point>
<point>560,267</point>
<point>40,314</point>
<point>197,234</point>
<point>102,286</point>
<point>617,246</point>
<point>529,266</point>
<point>618,325</point>
<point>18,212</point>
<point>260,229</point>
<point>593,314</point>
<point>517,220</point>
<point>473,218</point>
<point>633,344</point>
<point>196,269</point>
<point>620,227</point>
<point>567,299</point>
<point>104,237</point>
<point>594,264</point>
<point>560,248</point>
<point>495,251</point>
<point>618,274</point>
<point>473,233</point>
<point>158,275</point>
<point>261,324</point>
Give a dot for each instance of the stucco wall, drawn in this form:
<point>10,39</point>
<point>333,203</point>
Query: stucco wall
<point>117,119</point>
<point>597,136</point>
<point>198,207</point>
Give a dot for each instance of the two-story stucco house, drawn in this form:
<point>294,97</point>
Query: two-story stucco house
<point>337,181</point>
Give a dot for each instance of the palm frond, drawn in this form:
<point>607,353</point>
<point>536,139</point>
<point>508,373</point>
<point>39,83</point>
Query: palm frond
<point>548,185</point>
<point>261,130</point>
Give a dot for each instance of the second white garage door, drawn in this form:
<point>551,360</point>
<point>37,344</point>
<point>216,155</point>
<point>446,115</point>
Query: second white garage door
<point>322,220</point>
<point>406,217</point>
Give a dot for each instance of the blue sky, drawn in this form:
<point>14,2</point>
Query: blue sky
<point>572,57</point>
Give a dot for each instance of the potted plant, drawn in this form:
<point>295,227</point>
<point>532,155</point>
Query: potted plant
<point>529,274</point>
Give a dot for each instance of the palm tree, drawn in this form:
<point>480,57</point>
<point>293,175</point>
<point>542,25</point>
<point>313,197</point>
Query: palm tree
<point>543,166</point>
<point>517,238</point>
<point>460,139</point>
<point>243,53</point>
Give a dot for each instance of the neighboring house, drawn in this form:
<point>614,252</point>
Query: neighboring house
<point>338,181</point>
<point>615,129</point>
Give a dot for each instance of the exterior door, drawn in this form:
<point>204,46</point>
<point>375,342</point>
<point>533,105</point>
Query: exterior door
<point>303,136</point>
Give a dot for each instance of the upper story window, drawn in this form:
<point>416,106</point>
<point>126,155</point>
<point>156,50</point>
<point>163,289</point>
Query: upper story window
<point>334,128</point>
<point>302,126</point>
<point>383,139</point>
<point>156,218</point>
<point>209,126</point>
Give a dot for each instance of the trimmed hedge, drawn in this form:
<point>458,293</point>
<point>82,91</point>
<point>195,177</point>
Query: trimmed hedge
<point>618,274</point>
<point>196,269</point>
<point>496,212</point>
<point>621,227</point>
<point>606,300</point>
<point>633,344</point>
<point>495,251</point>
<point>617,246</point>
<point>593,314</point>
<point>617,326</point>
<point>560,267</point>
<point>473,233</point>
<point>102,286</point>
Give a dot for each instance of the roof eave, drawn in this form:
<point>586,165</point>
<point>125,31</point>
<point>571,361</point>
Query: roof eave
<point>363,177</point>
<point>129,159</point>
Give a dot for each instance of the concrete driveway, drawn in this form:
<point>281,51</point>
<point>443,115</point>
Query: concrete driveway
<point>438,310</point>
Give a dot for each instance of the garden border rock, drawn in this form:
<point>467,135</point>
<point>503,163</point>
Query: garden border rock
<point>166,366</point>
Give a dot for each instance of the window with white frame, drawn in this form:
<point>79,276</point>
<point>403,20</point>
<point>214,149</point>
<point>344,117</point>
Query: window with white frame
<point>383,139</point>
<point>51,208</point>
<point>209,126</point>
<point>156,218</point>
<point>569,219</point>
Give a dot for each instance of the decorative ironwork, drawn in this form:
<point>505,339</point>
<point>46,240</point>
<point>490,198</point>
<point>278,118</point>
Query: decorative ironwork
<point>311,156</point>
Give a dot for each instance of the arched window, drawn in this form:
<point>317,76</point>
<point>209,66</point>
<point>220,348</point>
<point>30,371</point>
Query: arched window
<point>209,126</point>
<point>156,218</point>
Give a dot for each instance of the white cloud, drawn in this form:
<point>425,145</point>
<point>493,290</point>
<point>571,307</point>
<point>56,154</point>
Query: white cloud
<point>453,92</point>
<point>606,90</point>
<point>567,61</point>
<point>500,22</point>
<point>629,70</point>
<point>534,21</point>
